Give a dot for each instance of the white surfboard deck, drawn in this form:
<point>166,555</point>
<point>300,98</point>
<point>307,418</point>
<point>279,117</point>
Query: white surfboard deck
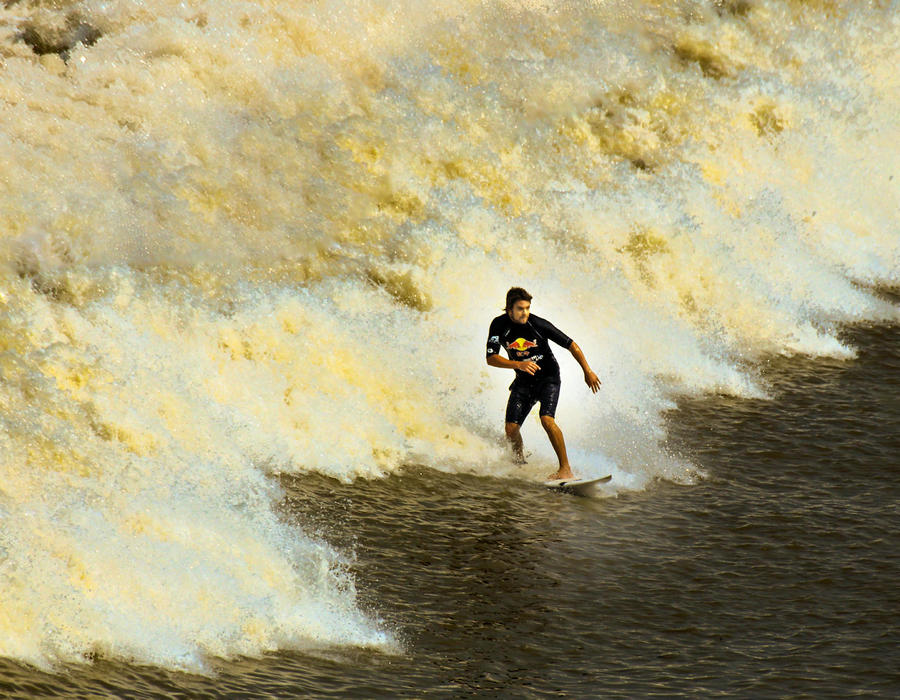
<point>582,487</point>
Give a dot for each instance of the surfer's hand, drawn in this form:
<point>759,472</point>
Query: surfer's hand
<point>592,380</point>
<point>529,367</point>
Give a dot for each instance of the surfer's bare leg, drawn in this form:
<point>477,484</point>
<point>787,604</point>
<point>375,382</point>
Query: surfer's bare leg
<point>559,446</point>
<point>515,442</point>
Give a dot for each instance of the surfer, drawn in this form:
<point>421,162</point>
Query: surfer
<point>525,337</point>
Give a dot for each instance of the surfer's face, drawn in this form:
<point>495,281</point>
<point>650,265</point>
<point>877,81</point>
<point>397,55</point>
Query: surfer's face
<point>520,311</point>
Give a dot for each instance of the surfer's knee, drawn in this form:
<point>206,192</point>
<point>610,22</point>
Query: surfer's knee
<point>549,422</point>
<point>512,429</point>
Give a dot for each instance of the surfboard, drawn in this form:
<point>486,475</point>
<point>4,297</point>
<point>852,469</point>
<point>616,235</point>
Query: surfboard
<point>580,487</point>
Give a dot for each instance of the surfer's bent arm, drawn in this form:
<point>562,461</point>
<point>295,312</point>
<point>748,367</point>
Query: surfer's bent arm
<point>525,366</point>
<point>493,353</point>
<point>590,378</point>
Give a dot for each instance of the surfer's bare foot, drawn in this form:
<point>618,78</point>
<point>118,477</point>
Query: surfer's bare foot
<point>561,474</point>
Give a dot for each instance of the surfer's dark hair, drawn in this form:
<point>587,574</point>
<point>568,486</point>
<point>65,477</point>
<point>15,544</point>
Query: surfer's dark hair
<point>516,294</point>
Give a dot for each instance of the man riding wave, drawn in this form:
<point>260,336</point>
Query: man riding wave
<point>525,337</point>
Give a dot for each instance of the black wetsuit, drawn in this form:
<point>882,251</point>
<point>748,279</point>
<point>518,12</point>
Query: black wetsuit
<point>529,341</point>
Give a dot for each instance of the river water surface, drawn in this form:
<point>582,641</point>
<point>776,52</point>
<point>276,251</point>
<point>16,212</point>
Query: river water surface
<point>249,252</point>
<point>775,576</point>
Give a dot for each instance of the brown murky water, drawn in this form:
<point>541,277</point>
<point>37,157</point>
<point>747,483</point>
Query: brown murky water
<point>775,576</point>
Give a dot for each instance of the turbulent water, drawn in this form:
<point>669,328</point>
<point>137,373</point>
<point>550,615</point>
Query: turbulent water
<point>244,244</point>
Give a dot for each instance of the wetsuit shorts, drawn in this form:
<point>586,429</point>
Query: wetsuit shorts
<point>523,397</point>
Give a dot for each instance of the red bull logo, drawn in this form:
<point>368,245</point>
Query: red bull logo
<point>521,345</point>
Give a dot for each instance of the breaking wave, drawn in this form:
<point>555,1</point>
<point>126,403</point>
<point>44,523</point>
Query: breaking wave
<point>240,238</point>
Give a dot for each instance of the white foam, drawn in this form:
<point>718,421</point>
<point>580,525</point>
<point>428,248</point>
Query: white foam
<point>240,239</point>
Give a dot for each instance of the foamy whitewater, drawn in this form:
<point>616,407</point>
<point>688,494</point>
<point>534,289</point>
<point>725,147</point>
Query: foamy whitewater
<point>244,238</point>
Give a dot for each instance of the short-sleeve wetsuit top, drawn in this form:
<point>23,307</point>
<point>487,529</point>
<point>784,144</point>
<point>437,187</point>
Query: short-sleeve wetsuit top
<point>528,341</point>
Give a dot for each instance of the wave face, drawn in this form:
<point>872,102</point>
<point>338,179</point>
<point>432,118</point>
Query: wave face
<point>241,238</point>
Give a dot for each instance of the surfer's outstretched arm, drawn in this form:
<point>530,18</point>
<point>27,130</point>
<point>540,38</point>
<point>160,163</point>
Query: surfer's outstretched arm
<point>590,378</point>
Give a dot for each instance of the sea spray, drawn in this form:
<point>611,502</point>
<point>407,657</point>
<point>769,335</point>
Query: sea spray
<point>239,238</point>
